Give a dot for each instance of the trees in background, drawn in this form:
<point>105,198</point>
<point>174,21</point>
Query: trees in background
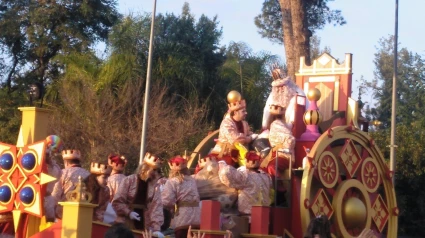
<point>101,120</point>
<point>410,84</point>
<point>249,73</point>
<point>293,22</point>
<point>32,33</point>
<point>98,103</point>
<point>410,137</point>
<point>188,58</point>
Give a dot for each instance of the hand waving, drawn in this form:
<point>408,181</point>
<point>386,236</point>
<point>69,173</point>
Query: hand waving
<point>147,234</point>
<point>193,235</point>
<point>134,216</point>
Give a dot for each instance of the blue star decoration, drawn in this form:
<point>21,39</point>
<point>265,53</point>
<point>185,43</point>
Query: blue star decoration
<point>23,179</point>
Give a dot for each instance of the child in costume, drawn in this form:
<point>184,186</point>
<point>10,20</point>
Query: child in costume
<point>96,186</point>
<point>254,185</point>
<point>117,163</point>
<point>69,177</point>
<point>137,202</point>
<point>180,189</point>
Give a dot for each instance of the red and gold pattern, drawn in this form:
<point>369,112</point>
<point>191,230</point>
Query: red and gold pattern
<point>370,175</point>
<point>350,158</point>
<point>177,163</point>
<point>321,205</point>
<point>351,175</point>
<point>328,169</point>
<point>380,213</point>
<point>23,177</point>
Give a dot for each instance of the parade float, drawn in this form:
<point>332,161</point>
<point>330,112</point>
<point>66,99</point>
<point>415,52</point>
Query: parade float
<point>338,171</point>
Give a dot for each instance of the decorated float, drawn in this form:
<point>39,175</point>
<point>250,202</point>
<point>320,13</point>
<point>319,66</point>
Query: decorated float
<point>337,171</point>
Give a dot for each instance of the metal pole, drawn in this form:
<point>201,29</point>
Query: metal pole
<point>394,96</point>
<point>147,88</point>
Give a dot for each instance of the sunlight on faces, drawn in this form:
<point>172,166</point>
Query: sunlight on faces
<point>240,115</point>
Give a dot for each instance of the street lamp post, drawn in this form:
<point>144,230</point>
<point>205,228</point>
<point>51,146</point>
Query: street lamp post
<point>394,96</point>
<point>147,88</point>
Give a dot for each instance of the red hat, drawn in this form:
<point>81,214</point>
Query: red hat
<point>254,158</point>
<point>117,159</point>
<point>177,163</point>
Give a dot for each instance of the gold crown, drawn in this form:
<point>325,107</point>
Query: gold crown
<point>152,160</point>
<point>99,168</point>
<point>203,161</point>
<point>177,163</point>
<point>276,110</point>
<point>234,106</point>
<point>71,154</point>
<point>277,74</point>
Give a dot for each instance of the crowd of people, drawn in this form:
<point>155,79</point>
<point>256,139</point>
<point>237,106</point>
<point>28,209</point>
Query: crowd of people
<point>242,172</point>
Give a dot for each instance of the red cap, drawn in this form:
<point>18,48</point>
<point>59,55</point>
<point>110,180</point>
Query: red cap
<point>117,159</point>
<point>177,163</point>
<point>252,156</point>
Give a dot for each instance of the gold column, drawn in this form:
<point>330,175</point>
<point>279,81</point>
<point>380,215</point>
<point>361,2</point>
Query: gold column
<point>34,125</point>
<point>77,213</point>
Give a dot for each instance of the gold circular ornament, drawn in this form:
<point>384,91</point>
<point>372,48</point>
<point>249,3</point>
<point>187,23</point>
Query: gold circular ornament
<point>348,217</point>
<point>354,212</point>
<point>312,117</point>
<point>328,169</point>
<point>234,96</point>
<point>314,94</point>
<point>354,204</point>
<point>370,175</point>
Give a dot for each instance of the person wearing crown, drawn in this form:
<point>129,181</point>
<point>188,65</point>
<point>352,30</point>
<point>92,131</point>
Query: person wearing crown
<point>180,190</point>
<point>117,163</point>
<point>254,185</point>
<point>53,147</point>
<point>235,134</point>
<point>284,92</point>
<point>203,161</point>
<point>96,186</point>
<point>137,202</point>
<point>69,178</point>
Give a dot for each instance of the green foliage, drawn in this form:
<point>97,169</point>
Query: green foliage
<point>410,98</point>
<point>187,58</point>
<point>410,137</point>
<point>10,116</point>
<point>248,73</point>
<point>98,103</point>
<point>269,22</point>
<point>32,33</point>
<point>410,174</point>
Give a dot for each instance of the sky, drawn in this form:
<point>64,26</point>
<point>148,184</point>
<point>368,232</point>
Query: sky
<point>367,22</point>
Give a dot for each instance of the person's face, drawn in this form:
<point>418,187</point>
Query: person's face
<point>102,179</point>
<point>240,115</point>
<point>155,174</point>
